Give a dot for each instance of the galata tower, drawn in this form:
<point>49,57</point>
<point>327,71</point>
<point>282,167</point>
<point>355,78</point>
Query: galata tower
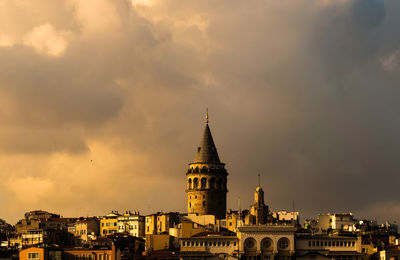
<point>206,179</point>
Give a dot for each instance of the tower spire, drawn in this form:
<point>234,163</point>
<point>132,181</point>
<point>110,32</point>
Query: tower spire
<point>259,180</point>
<point>207,116</point>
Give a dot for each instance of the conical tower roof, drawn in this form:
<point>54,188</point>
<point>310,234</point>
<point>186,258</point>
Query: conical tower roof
<point>207,152</point>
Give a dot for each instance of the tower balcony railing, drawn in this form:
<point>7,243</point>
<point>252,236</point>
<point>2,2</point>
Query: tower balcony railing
<point>207,170</point>
<point>224,189</point>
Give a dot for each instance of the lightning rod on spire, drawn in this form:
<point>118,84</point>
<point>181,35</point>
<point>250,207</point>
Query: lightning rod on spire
<point>207,116</point>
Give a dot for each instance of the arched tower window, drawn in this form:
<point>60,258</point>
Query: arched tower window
<point>195,183</point>
<point>212,183</point>
<point>203,183</point>
<point>219,184</point>
<point>190,186</point>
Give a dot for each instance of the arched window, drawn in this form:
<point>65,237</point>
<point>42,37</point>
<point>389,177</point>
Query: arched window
<point>190,184</point>
<point>195,183</point>
<point>266,244</point>
<point>203,183</point>
<point>212,183</point>
<point>283,244</point>
<point>250,245</point>
<point>219,184</point>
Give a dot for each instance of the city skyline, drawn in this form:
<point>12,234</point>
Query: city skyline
<point>106,114</point>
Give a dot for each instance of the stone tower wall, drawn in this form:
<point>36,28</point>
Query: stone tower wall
<point>207,190</point>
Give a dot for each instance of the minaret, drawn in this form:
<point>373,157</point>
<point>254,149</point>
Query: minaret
<point>206,179</point>
<point>259,210</point>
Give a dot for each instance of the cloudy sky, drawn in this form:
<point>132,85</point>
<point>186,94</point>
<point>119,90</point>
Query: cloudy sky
<point>102,103</point>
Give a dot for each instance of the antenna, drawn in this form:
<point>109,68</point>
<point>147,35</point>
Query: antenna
<point>238,223</point>
<point>293,213</point>
<point>259,180</point>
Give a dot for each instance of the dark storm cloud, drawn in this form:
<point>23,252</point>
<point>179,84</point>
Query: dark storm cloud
<point>304,92</point>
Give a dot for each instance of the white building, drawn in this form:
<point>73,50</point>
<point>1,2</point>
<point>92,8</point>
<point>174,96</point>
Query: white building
<point>132,223</point>
<point>208,245</point>
<point>336,221</point>
<point>318,247</point>
<point>287,216</point>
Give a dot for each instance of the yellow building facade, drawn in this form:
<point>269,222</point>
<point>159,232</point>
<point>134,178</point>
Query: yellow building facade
<point>161,222</point>
<point>109,224</point>
<point>35,253</point>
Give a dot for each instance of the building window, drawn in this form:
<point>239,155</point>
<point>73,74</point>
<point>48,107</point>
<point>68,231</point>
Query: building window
<point>33,255</point>
<point>212,183</point>
<point>203,183</point>
<point>283,243</point>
